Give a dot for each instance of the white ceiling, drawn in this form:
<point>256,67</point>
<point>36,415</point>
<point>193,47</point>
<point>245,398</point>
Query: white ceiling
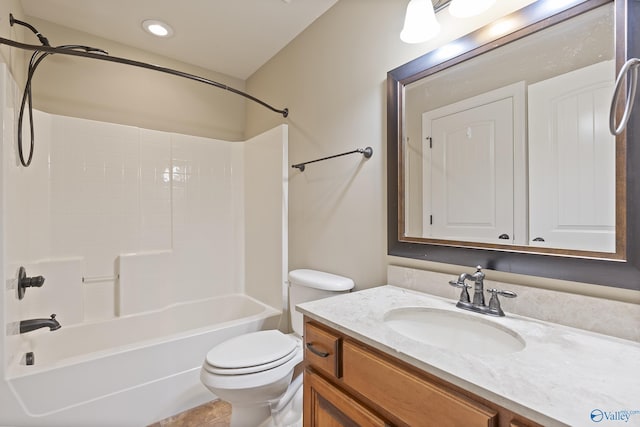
<point>234,37</point>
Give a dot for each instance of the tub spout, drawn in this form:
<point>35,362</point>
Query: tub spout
<point>33,324</point>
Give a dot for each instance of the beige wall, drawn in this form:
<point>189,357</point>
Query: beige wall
<point>123,94</point>
<point>15,59</point>
<point>332,77</point>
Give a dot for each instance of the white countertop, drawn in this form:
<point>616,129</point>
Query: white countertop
<point>560,377</point>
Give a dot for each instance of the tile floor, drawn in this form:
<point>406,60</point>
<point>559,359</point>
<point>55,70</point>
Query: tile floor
<point>213,414</point>
<point>216,413</point>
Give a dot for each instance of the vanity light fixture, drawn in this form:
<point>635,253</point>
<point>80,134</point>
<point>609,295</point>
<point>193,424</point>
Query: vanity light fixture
<point>157,28</point>
<point>420,22</point>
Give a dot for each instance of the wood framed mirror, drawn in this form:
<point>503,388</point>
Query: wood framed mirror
<point>499,152</point>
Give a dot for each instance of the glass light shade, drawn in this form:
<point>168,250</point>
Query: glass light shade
<point>420,22</point>
<point>467,8</point>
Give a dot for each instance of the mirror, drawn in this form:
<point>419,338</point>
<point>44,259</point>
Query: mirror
<point>499,149</point>
<point>526,147</point>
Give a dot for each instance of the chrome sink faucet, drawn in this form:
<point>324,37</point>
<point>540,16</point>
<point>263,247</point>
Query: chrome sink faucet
<point>478,303</point>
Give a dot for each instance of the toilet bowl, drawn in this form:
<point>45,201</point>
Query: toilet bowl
<point>254,371</point>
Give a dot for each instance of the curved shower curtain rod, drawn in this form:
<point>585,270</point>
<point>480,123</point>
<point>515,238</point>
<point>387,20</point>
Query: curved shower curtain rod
<point>103,57</point>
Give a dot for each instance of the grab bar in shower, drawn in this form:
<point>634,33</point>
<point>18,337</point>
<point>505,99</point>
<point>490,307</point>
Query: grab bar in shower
<point>631,66</point>
<point>367,152</point>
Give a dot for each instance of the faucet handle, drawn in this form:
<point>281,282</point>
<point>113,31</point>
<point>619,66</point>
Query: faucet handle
<point>464,294</point>
<point>508,294</point>
<point>458,284</point>
<point>25,282</point>
<point>494,302</point>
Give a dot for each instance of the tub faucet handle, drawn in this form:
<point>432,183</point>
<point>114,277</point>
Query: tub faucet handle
<point>25,282</point>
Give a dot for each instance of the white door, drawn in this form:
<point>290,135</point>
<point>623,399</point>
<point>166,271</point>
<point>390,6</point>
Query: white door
<point>472,170</point>
<point>572,161</point>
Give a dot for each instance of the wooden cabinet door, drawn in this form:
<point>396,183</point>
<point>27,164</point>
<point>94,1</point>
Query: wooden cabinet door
<point>327,406</point>
<point>413,400</point>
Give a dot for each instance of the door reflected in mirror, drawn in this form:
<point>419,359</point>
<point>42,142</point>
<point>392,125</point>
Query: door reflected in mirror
<point>511,147</point>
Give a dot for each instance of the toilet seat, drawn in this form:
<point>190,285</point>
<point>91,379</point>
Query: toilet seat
<point>251,353</point>
<point>268,377</point>
<point>250,369</point>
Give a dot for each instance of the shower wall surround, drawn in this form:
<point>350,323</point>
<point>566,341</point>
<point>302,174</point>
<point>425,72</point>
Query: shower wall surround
<point>97,191</point>
<point>121,220</point>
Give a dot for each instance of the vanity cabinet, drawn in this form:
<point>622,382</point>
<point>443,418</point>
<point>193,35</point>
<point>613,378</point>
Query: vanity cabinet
<point>348,383</point>
<point>326,405</point>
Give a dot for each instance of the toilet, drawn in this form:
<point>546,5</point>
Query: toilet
<point>254,371</point>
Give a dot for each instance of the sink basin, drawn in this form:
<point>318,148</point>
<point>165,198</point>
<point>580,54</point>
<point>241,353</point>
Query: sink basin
<point>454,331</point>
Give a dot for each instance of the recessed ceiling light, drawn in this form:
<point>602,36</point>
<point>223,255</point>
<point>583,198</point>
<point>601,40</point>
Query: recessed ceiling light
<point>157,28</point>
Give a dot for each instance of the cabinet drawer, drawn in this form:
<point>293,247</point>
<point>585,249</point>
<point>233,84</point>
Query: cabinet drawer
<point>412,399</point>
<point>322,349</point>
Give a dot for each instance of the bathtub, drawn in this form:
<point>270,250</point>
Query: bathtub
<point>132,370</point>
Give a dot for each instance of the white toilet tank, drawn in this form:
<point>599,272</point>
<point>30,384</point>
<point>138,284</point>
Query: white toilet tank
<point>309,285</point>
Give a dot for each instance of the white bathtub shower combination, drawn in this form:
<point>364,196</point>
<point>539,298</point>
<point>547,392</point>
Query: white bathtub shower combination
<point>133,370</point>
<point>148,243</point>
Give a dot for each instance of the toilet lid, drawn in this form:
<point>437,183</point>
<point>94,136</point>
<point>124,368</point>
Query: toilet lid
<point>252,369</point>
<point>251,350</point>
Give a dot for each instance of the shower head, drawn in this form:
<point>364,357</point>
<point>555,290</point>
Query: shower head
<point>45,41</point>
<point>42,38</point>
